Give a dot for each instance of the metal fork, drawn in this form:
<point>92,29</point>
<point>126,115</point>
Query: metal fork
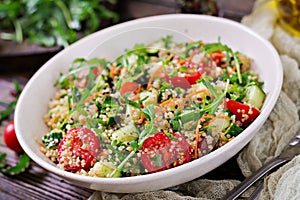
<point>288,154</point>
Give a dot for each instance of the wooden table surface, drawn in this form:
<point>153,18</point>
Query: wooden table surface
<point>37,183</point>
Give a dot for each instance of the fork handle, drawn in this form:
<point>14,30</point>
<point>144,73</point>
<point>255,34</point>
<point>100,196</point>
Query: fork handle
<point>249,181</point>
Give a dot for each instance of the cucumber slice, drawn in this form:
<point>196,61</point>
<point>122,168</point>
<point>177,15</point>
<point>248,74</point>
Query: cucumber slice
<point>255,96</point>
<point>219,124</point>
<point>126,133</point>
<point>104,169</point>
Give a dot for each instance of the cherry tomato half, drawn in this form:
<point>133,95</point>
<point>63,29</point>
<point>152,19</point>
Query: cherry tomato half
<point>10,138</point>
<point>160,152</point>
<point>243,112</point>
<point>78,149</point>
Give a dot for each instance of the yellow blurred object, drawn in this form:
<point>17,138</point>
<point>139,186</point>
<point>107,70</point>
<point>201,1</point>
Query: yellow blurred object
<point>289,15</point>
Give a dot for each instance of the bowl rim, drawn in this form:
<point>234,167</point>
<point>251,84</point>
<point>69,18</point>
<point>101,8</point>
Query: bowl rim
<point>244,137</point>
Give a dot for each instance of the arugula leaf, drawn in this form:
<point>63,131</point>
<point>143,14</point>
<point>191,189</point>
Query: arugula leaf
<point>218,46</point>
<point>170,136</point>
<point>149,129</point>
<point>22,164</point>
<point>175,123</point>
<point>135,104</point>
<point>208,85</point>
<point>149,113</point>
<point>214,105</point>
<point>195,44</point>
<point>78,65</point>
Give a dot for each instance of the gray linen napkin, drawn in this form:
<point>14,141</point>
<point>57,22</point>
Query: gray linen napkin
<point>282,124</point>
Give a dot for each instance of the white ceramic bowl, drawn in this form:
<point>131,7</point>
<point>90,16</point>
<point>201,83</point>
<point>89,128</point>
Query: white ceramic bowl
<point>34,99</point>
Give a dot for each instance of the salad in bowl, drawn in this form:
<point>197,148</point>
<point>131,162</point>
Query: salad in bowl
<point>124,114</point>
<point>157,106</point>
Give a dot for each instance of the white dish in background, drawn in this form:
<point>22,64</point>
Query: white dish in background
<point>33,102</point>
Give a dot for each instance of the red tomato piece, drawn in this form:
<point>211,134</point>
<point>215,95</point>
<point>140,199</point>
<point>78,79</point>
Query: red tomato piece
<point>10,138</point>
<point>217,56</point>
<point>192,77</point>
<point>129,87</point>
<point>177,81</point>
<point>159,152</point>
<point>194,72</point>
<point>243,112</point>
<point>78,149</point>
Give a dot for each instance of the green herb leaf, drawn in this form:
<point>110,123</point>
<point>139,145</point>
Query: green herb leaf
<point>211,108</point>
<point>149,113</point>
<point>233,130</point>
<point>170,136</point>
<point>52,139</point>
<point>53,23</point>
<point>208,85</point>
<point>2,160</point>
<point>212,47</point>
<point>135,104</point>
<point>23,163</point>
<point>134,145</point>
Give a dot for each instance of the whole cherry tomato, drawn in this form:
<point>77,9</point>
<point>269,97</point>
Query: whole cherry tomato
<point>78,149</point>
<point>10,138</point>
<point>160,151</point>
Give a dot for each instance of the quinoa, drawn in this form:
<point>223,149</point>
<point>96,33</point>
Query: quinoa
<point>174,109</point>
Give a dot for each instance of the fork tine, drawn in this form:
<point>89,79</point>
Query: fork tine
<point>295,141</point>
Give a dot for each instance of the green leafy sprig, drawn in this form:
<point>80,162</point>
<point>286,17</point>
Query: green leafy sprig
<point>218,46</point>
<point>53,23</point>
<point>20,167</point>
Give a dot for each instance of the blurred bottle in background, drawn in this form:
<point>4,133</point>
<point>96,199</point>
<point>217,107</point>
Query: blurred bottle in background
<point>289,15</point>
